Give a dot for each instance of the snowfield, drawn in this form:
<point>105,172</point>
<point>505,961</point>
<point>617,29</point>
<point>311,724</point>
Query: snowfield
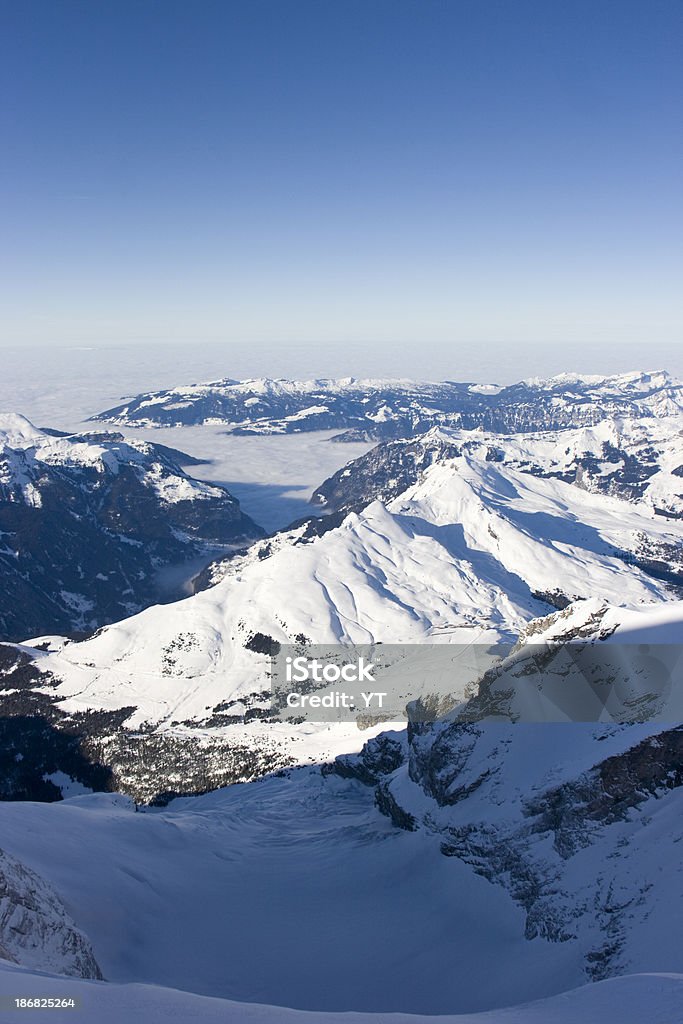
<point>288,892</point>
<point>655,998</point>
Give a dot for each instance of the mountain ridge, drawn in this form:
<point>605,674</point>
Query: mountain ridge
<point>379,409</point>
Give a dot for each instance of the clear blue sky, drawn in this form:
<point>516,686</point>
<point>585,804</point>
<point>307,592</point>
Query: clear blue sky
<point>381,171</point>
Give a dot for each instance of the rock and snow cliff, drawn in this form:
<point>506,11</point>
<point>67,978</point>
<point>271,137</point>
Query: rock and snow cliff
<point>35,929</point>
<point>579,822</point>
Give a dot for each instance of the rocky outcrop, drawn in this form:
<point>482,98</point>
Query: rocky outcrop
<point>609,792</point>
<point>379,757</point>
<point>382,473</point>
<point>390,806</point>
<point>35,929</point>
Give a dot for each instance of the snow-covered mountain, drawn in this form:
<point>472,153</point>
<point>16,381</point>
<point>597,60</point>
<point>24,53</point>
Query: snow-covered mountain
<point>176,697</point>
<point>88,520</point>
<point>378,409</point>
<point>640,460</point>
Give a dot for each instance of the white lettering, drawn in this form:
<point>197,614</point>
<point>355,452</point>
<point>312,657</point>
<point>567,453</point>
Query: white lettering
<point>367,697</point>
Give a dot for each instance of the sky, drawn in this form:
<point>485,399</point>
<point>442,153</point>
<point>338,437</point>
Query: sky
<point>387,175</point>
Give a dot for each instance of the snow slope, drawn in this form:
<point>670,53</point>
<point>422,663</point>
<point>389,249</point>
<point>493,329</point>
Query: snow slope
<point>655,998</point>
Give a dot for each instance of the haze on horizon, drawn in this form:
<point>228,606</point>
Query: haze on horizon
<point>470,176</point>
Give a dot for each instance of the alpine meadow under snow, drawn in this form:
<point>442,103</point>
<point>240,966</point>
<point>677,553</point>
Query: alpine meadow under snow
<point>477,865</point>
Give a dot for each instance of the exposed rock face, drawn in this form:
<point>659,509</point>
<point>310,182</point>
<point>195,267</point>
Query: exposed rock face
<point>610,791</point>
<point>389,805</point>
<point>35,929</point>
<point>87,521</point>
<point>379,757</point>
<point>382,473</point>
<point>439,761</point>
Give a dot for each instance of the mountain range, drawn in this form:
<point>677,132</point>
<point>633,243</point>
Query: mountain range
<point>635,459</point>
<point>462,548</point>
<point>381,409</point>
